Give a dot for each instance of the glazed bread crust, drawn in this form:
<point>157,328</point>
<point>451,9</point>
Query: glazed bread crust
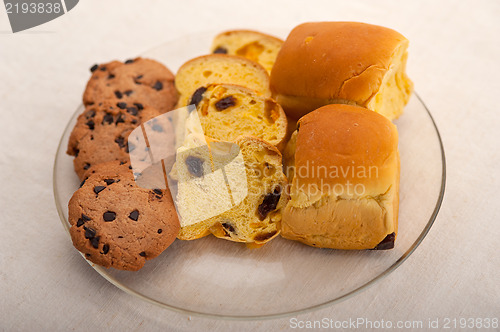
<point>341,62</point>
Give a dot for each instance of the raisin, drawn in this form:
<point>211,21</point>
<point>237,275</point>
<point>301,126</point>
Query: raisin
<point>387,242</point>
<point>225,103</point>
<point>264,236</point>
<point>195,166</point>
<point>197,96</point>
<point>220,50</point>
<point>269,203</point>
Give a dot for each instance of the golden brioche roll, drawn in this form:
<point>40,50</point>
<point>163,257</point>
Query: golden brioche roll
<point>342,62</point>
<point>254,45</point>
<point>345,188</point>
<point>194,75</point>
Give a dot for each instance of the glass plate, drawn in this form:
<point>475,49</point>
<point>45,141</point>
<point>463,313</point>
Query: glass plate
<point>215,278</point>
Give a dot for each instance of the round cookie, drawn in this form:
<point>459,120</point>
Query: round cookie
<point>139,80</point>
<point>101,132</point>
<point>116,223</point>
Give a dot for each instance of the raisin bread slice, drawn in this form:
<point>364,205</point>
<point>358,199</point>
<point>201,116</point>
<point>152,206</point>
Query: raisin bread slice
<point>193,76</point>
<point>254,45</point>
<point>246,203</point>
<point>227,111</point>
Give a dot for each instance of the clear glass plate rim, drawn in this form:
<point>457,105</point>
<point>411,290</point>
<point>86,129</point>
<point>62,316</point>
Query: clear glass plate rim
<point>348,295</point>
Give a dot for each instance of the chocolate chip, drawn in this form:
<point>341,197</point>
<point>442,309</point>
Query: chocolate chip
<point>122,163</point>
<point>132,110</point>
<point>89,232</point>
<point>129,61</point>
<point>120,141</point>
<point>120,237</point>
<point>142,254</point>
<point>122,105</point>
<point>195,166</point>
<point>98,189</point>
<point>386,243</point>
<point>128,93</point>
<point>197,96</point>
<point>80,222</point>
<point>103,68</point>
<point>90,124</point>
<point>269,203</point>
<point>134,215</point>
<point>76,152</point>
<point>111,76</point>
<point>264,236</point>
<point>158,191</point>
<point>108,118</point>
<point>220,50</point>
<point>225,103</point>
<point>109,216</point>
<point>136,80</point>
<point>83,182</point>
<point>156,127</point>
<point>94,68</point>
<point>158,86</point>
<point>88,255</point>
<point>160,231</point>
<point>229,227</point>
<point>90,114</point>
<point>134,121</point>
<point>109,181</point>
<point>86,166</point>
<point>129,166</point>
<point>85,218</point>
<point>95,242</point>
<point>120,119</point>
<point>118,94</point>
<point>105,249</point>
<point>139,106</point>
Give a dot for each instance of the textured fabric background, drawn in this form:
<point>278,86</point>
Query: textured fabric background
<point>454,62</point>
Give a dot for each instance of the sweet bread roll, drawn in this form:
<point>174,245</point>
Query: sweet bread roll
<point>236,191</point>
<point>193,76</point>
<point>254,45</point>
<point>344,193</point>
<point>227,111</point>
<point>342,63</point>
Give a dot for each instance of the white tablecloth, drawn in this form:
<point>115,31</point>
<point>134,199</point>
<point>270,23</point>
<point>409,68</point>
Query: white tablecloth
<point>454,62</point>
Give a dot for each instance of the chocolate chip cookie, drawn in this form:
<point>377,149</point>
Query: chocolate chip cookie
<point>102,130</point>
<point>139,80</point>
<point>116,223</point>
